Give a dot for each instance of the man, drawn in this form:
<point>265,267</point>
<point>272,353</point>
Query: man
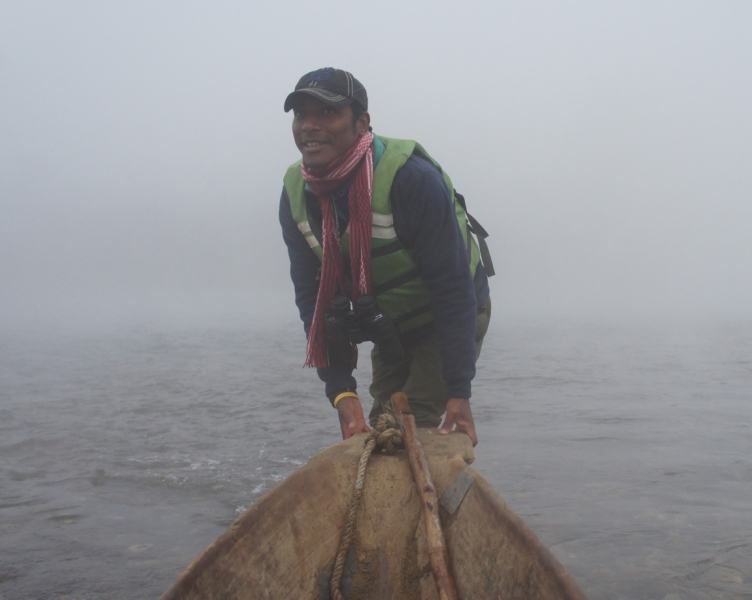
<point>367,216</point>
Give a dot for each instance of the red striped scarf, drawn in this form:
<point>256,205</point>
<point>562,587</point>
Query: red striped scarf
<point>358,163</point>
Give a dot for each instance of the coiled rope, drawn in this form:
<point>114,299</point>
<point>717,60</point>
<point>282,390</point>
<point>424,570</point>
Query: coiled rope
<point>387,437</point>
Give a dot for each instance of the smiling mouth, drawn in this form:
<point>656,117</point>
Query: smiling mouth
<point>313,144</point>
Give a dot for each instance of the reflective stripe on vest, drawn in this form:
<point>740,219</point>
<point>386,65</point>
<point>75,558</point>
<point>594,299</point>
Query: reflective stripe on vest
<point>382,229</point>
<point>305,229</point>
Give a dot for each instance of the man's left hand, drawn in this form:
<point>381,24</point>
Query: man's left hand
<point>459,415</point>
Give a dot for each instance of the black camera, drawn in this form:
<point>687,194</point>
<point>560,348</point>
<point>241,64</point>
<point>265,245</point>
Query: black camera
<point>367,322</point>
<point>380,330</point>
<point>336,326</point>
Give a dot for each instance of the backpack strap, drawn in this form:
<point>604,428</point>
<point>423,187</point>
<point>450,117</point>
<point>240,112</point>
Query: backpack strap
<point>480,234</point>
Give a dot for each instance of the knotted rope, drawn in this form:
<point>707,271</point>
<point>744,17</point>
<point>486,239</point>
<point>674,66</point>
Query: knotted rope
<point>386,437</point>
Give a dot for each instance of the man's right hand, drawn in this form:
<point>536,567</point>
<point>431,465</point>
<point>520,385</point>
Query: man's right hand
<point>351,418</point>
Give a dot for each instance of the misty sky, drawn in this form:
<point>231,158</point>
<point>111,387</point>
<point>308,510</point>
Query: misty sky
<point>606,146</point>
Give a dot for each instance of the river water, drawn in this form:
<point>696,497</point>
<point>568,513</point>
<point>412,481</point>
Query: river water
<point>627,449</point>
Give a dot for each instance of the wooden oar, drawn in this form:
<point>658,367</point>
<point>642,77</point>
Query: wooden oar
<point>437,550</point>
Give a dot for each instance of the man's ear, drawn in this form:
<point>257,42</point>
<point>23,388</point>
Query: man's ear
<point>363,123</point>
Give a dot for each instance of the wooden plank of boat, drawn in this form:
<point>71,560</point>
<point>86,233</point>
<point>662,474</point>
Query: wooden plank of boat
<point>283,547</point>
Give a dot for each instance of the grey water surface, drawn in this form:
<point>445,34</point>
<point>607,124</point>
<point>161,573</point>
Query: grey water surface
<point>627,449</point>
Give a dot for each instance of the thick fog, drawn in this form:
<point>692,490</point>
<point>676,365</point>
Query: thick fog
<point>606,147</point>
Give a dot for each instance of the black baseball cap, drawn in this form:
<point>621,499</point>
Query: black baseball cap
<point>332,86</point>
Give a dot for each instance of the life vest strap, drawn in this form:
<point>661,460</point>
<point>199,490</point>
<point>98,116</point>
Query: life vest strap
<point>377,251</point>
<point>395,281</point>
<point>416,312</point>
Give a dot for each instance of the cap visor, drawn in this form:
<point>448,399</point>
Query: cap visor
<point>327,97</point>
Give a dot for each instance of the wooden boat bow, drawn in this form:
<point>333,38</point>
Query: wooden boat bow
<point>284,545</point>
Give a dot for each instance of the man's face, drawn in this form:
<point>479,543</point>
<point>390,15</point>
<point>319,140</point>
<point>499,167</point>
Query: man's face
<point>323,133</point>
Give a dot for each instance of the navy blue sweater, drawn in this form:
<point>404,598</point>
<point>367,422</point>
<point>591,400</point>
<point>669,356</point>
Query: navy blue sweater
<point>425,223</point>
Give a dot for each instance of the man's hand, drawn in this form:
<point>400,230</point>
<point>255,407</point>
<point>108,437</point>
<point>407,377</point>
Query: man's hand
<point>351,419</point>
<point>458,414</point>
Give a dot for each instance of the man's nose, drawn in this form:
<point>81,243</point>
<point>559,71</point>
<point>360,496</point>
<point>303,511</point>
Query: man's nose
<point>310,123</point>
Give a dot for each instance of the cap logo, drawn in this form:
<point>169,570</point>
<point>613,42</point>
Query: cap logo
<point>321,75</point>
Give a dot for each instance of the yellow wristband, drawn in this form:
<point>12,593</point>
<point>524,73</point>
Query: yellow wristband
<point>344,395</point>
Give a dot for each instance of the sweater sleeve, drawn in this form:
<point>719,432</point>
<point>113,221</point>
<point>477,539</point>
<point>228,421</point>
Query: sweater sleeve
<point>304,272</point>
<point>424,213</point>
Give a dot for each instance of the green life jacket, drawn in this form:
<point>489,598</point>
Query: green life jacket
<point>397,285</point>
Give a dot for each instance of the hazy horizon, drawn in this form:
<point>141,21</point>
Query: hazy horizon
<point>605,147</point>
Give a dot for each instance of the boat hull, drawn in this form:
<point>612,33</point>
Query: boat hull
<point>283,547</point>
